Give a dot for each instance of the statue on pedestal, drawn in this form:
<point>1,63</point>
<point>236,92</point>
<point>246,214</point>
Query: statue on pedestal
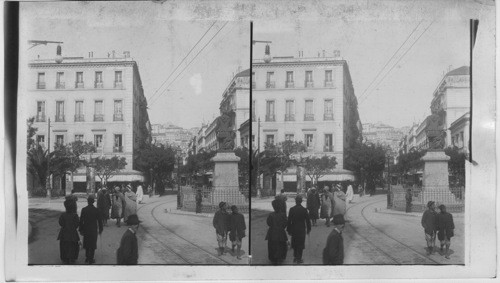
<point>225,132</point>
<point>435,134</point>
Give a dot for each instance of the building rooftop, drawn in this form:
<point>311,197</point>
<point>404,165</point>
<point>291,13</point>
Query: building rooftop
<point>291,59</point>
<point>464,70</point>
<point>82,60</point>
<point>244,73</point>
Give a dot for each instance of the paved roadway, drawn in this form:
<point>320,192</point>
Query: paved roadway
<point>373,235</point>
<point>166,235</point>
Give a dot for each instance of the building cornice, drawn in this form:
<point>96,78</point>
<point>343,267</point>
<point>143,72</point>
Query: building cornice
<point>298,64</point>
<point>53,65</point>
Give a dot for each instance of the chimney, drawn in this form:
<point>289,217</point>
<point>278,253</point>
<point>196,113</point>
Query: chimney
<point>267,54</point>
<point>126,54</point>
<point>59,57</point>
<point>336,53</point>
<point>113,52</point>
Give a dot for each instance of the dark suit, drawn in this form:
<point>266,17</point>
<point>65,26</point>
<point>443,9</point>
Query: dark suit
<point>298,221</point>
<point>127,253</point>
<point>333,254</point>
<point>90,221</point>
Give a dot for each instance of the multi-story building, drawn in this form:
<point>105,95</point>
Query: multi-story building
<point>379,133</point>
<point>98,100</point>
<point>244,131</point>
<point>236,98</point>
<point>306,99</point>
<point>451,99</point>
<point>211,143</point>
<point>460,133</point>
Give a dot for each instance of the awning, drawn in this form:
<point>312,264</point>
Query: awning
<point>122,176</point>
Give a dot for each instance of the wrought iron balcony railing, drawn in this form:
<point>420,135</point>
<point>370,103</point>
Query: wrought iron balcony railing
<point>40,117</point>
<point>328,148</point>
<point>308,117</point>
<point>59,118</point>
<point>270,118</point>
<point>79,118</point>
<point>79,85</point>
<point>289,117</point>
<point>309,84</point>
<point>40,85</point>
<point>118,84</point>
<point>118,149</point>
<point>270,84</point>
<point>99,85</point>
<point>328,83</point>
<point>98,117</point>
<point>328,116</point>
<point>289,84</point>
<point>60,85</point>
<point>117,117</point>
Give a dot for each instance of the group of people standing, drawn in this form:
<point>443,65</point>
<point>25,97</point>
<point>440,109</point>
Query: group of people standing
<point>91,221</point>
<point>229,224</point>
<point>331,203</point>
<point>438,224</point>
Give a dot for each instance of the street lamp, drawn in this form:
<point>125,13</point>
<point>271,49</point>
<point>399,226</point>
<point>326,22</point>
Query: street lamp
<point>179,197</point>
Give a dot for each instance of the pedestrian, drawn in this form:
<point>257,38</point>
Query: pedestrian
<point>333,253</point>
<point>429,223</point>
<point>199,199</point>
<point>282,198</point>
<point>90,225</point>
<point>445,227</point>
<point>72,197</point>
<point>276,235</point>
<point>298,225</point>
<point>118,202</point>
<point>128,252</point>
<point>313,204</point>
<point>236,229</point>
<point>130,203</point>
<point>326,206</point>
<point>220,223</point>
<point>68,235</point>
<point>139,194</point>
<point>350,193</point>
<point>339,205</point>
<point>408,198</point>
<point>104,204</point>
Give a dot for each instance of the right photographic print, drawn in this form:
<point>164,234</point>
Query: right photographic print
<point>360,134</point>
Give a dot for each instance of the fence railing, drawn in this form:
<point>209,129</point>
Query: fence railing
<point>453,198</point>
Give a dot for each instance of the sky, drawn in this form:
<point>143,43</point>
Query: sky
<point>158,40</point>
<point>398,97</point>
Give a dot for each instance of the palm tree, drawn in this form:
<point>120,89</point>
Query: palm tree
<point>37,165</point>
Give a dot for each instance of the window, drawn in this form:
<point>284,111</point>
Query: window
<point>289,137</point>
<point>118,79</point>
<point>118,114</point>
<point>118,147</point>
<point>309,79</point>
<point>40,111</point>
<point>98,113</point>
<point>328,109</point>
<point>289,79</point>
<point>290,110</point>
<point>40,84</point>
<point>79,80</point>
<point>59,111</point>
<point>59,139</point>
<point>60,84</point>
<point>270,111</point>
<point>98,141</point>
<point>328,143</point>
<point>79,111</point>
<point>270,139</point>
<point>309,140</point>
<point>40,140</point>
<point>79,138</point>
<point>309,111</point>
<point>98,80</point>
<point>328,78</point>
<point>270,83</point>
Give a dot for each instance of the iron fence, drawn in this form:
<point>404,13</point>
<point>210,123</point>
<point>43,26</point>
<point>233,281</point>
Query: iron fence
<point>452,197</point>
<point>210,198</point>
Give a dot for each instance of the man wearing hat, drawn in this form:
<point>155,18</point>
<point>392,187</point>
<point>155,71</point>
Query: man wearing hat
<point>429,223</point>
<point>298,224</point>
<point>90,224</point>
<point>221,223</point>
<point>128,252</point>
<point>333,253</point>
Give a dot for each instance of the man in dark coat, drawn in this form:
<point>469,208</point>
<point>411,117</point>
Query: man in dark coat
<point>298,225</point>
<point>429,223</point>
<point>90,225</point>
<point>221,223</point>
<point>282,198</point>
<point>313,203</point>
<point>333,253</point>
<point>128,252</point>
<point>237,229</point>
<point>445,227</point>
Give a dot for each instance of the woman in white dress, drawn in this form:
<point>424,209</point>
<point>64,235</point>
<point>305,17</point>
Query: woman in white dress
<point>139,194</point>
<point>350,193</point>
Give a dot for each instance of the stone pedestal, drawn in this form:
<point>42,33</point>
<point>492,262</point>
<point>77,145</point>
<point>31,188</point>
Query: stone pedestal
<point>225,180</point>
<point>435,179</point>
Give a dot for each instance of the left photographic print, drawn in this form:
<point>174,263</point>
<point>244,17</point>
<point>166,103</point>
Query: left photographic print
<point>137,129</point>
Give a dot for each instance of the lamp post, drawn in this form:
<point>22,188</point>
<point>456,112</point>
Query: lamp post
<point>179,197</point>
<point>389,193</point>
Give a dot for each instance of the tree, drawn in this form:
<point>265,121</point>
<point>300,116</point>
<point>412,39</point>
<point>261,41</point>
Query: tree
<point>367,161</point>
<point>456,165</point>
<point>318,167</point>
<point>106,168</point>
<point>243,165</point>
<point>159,161</point>
<point>31,131</point>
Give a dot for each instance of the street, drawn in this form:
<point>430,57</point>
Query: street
<point>166,235</point>
<point>372,235</point>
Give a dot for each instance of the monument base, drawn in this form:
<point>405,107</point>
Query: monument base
<point>225,180</point>
<point>435,182</point>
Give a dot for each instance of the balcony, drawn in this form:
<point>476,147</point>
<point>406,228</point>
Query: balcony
<point>118,84</point>
<point>270,84</point>
<point>117,117</point>
<point>79,85</point>
<point>98,117</point>
<point>40,85</point>
<point>308,84</point>
<point>40,117</point>
<point>254,85</point>
<point>289,117</point>
<point>99,85</point>
<point>79,118</point>
<point>289,84</point>
<point>328,83</point>
<point>328,148</point>
<point>328,116</point>
<point>308,117</point>
<point>60,85</point>
<point>118,148</point>
<point>59,118</point>
<point>270,118</point>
